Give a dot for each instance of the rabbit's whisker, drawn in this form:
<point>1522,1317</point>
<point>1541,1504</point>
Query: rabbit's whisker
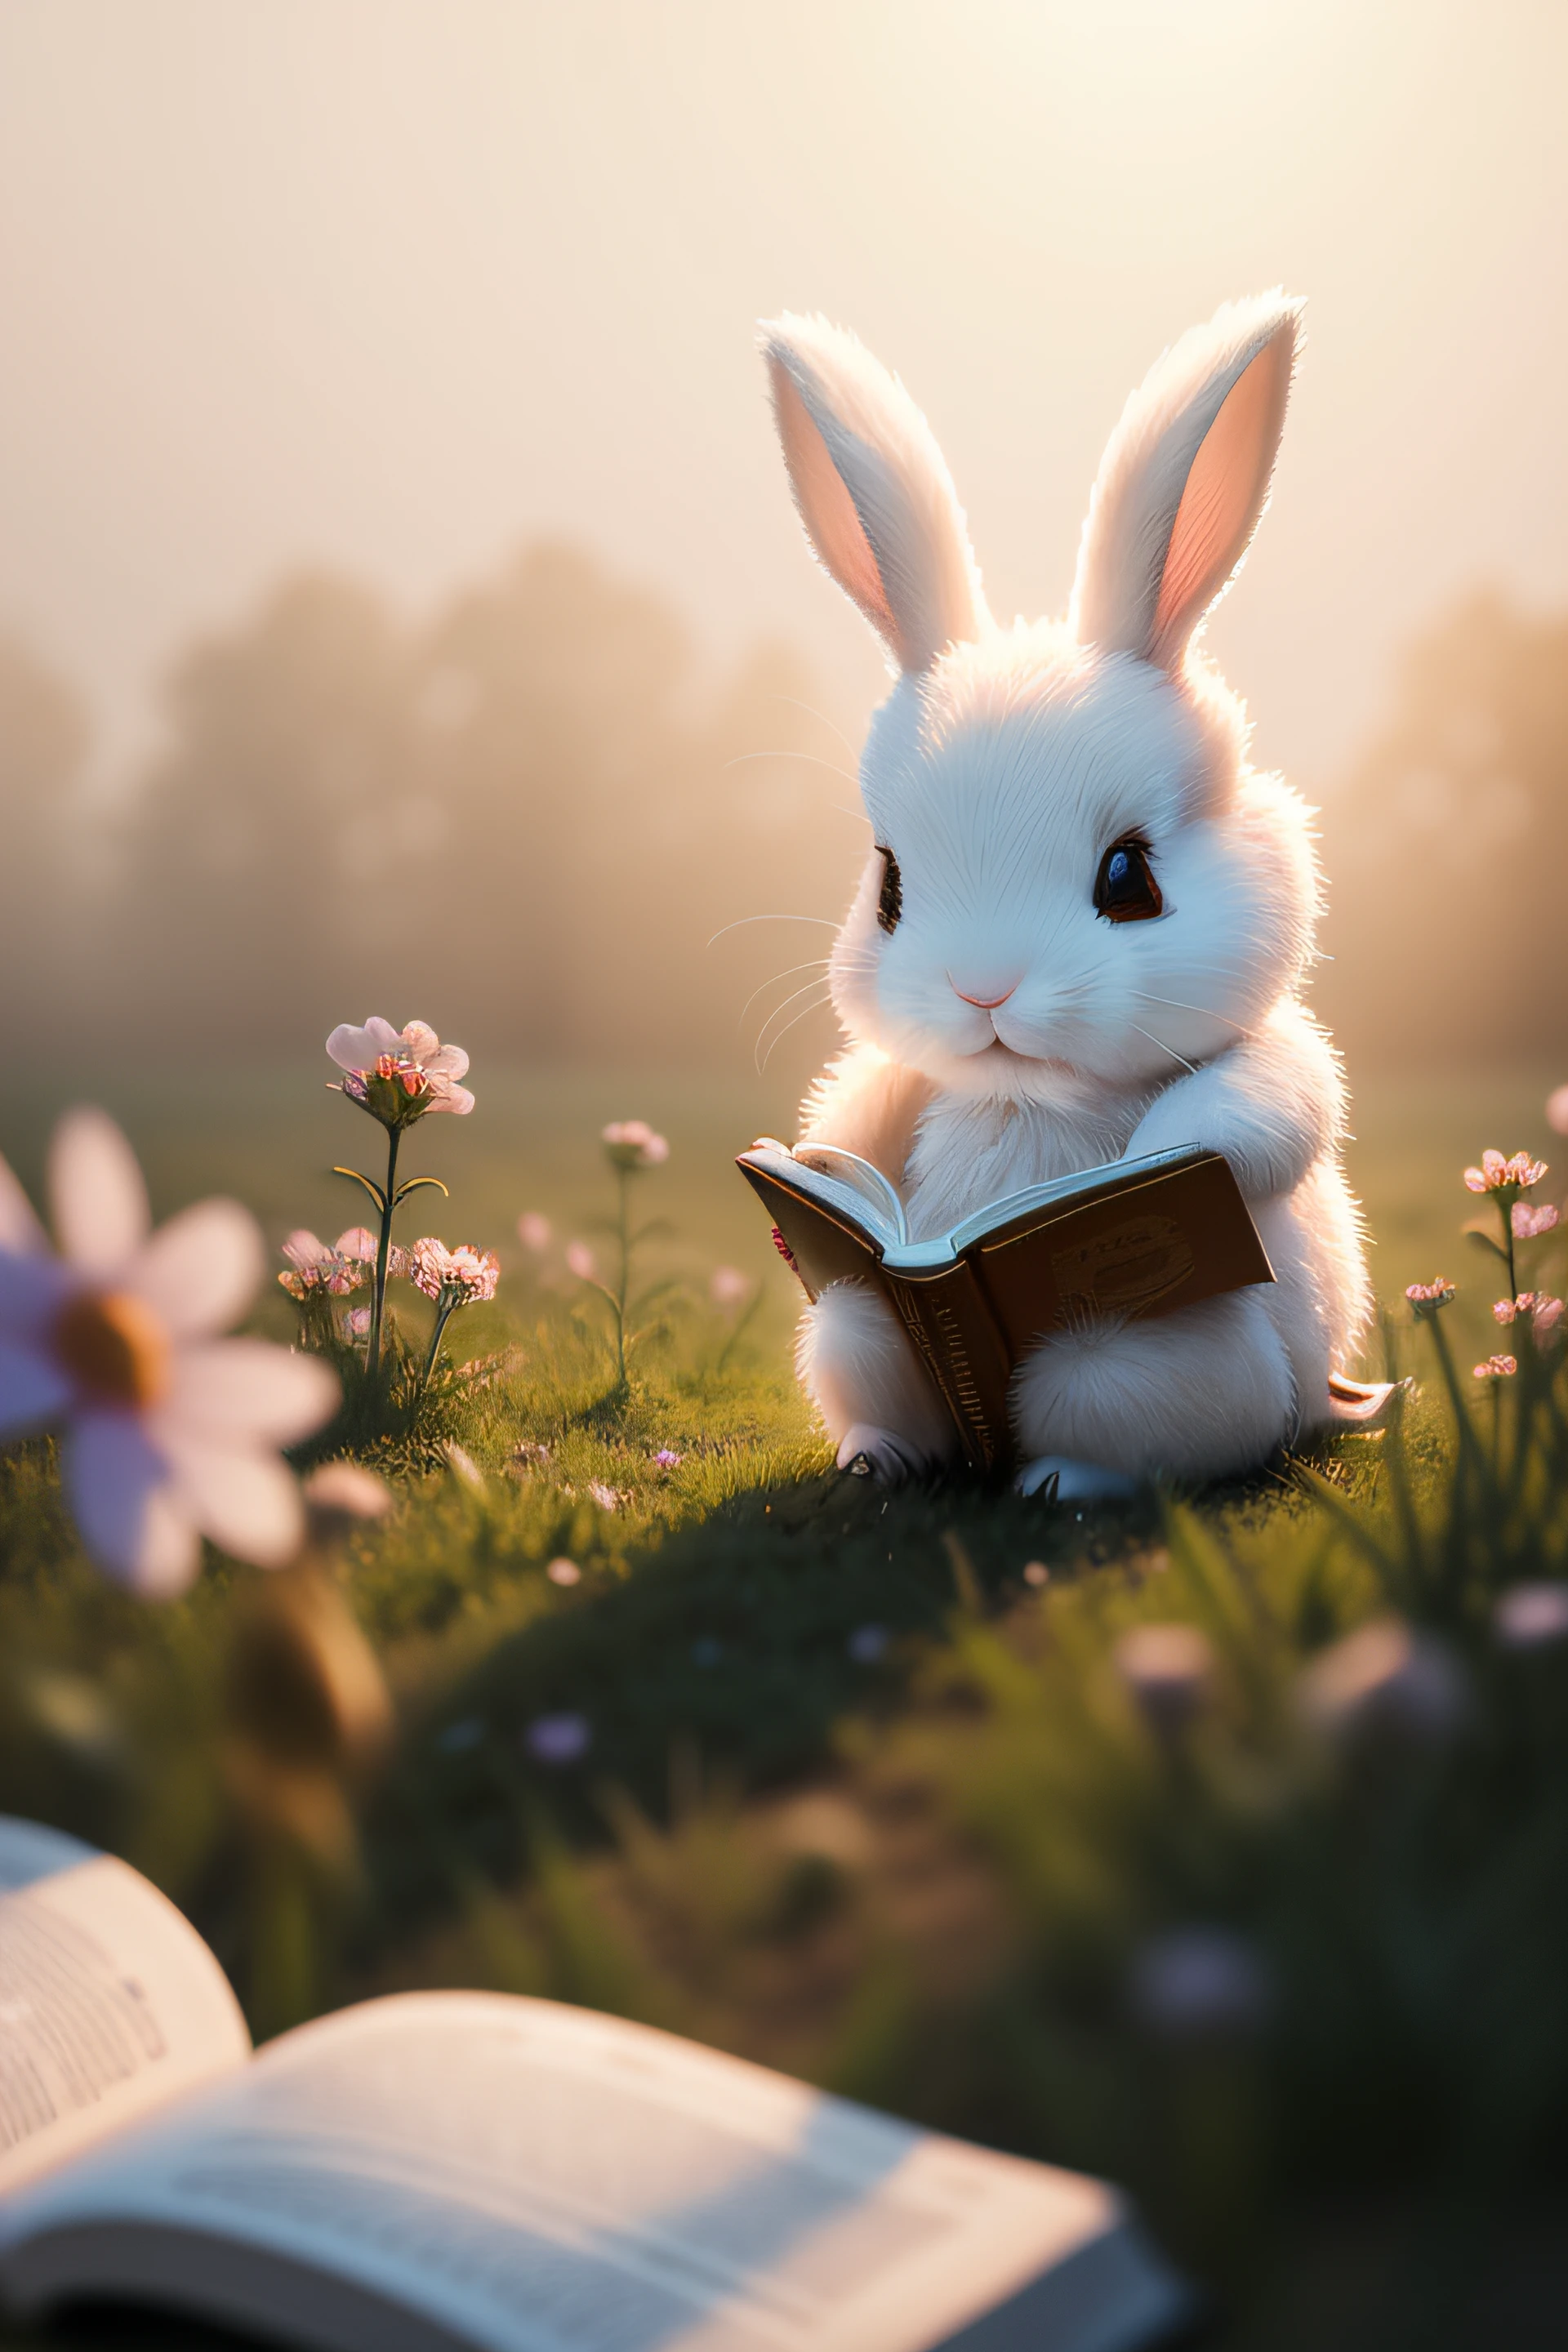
<point>812,963</point>
<point>792,999</point>
<point>1177,1006</point>
<point>821,714</point>
<point>801,1015</point>
<point>825,922</point>
<point>1166,1049</point>
<point>743,759</point>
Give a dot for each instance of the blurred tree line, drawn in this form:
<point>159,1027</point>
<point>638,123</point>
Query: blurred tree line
<point>1446,847</point>
<point>524,818</point>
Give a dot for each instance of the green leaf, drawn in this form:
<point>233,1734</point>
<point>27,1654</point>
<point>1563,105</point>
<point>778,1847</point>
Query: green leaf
<point>377,1194</point>
<point>1483,1240</point>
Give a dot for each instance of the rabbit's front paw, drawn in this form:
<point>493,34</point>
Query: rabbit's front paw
<point>868,1452</point>
<point>1062,1480</point>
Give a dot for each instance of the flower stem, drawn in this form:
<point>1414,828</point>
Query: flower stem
<point>623,1184</point>
<point>1507,1216</point>
<point>384,1248</point>
<point>444,1307</point>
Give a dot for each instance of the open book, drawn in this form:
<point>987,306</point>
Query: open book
<point>446,2170</point>
<point>1136,1237</point>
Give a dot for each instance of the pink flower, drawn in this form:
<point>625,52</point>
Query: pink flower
<point>1496,1174</point>
<point>171,1432</point>
<point>580,1259</point>
<point>534,1232</point>
<point>1427,1298</point>
<point>1547,1317</point>
<point>398,1075</point>
<point>728,1286</point>
<point>460,1277</point>
<point>605,1496</point>
<point>1497,1367</point>
<point>667,1459</point>
<point>335,1269</point>
<point>631,1143</point>
<point>1557,1110</point>
<point>1527,1224</point>
<point>564,1573</point>
<point>357,1323</point>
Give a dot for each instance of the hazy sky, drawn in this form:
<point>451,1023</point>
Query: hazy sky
<point>392,283</point>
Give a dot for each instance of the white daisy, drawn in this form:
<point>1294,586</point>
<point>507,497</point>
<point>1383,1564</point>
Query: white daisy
<point>170,1433</point>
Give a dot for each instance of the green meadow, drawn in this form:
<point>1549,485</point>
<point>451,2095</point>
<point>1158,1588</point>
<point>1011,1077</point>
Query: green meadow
<point>865,1785</point>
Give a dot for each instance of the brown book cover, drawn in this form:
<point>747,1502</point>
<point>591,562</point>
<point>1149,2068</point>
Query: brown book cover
<point>1138,1237</point>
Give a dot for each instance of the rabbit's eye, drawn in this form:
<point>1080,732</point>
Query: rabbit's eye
<point>891,904</point>
<point>1125,890</point>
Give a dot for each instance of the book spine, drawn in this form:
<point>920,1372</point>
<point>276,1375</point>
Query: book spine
<point>955,1336</point>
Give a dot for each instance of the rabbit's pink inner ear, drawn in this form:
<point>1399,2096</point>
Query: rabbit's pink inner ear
<point>1223,498</point>
<point>826,508</point>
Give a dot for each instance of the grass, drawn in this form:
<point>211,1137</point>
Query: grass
<point>856,1795</point>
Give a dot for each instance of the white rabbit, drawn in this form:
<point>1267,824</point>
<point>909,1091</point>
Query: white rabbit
<point>1086,921</point>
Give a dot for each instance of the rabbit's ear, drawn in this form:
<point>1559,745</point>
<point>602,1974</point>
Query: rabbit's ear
<point>1184,480</point>
<point>873,489</point>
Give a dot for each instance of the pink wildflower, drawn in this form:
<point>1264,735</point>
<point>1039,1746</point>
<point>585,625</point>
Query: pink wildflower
<point>1557,1110</point>
<point>1497,1367</point>
<point>1527,1224</point>
<point>318,1267</point>
<point>1496,1174</point>
<point>458,1277</point>
<point>1547,1317</point>
<point>1427,1297</point>
<point>580,1259</point>
<point>728,1286</point>
<point>534,1232</point>
<point>398,1075</point>
<point>631,1144</point>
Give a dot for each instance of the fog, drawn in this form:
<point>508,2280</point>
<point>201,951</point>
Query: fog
<point>400,604</point>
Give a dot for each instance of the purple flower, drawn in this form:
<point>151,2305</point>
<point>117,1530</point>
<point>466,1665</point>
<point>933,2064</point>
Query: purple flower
<point>1198,1984</point>
<point>1530,1616</point>
<point>557,1740</point>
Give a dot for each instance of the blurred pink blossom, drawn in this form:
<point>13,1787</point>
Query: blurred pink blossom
<point>564,1573</point>
<point>1557,1110</point>
<point>580,1259</point>
<point>1497,1367</point>
<point>1528,1222</point>
<point>332,1267</point>
<point>534,1232</point>
<point>631,1143</point>
<point>727,1286</point>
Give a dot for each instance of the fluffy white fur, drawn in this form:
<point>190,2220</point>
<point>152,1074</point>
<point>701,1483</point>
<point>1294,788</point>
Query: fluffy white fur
<point>1001,767</point>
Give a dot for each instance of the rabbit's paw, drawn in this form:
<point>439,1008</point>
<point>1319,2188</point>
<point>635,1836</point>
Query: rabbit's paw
<point>868,1452</point>
<point>1061,1480</point>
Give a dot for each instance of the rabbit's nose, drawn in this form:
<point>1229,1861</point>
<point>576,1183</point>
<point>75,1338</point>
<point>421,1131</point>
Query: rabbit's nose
<point>985,1004</point>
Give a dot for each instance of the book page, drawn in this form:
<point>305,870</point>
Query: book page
<point>534,2179</point>
<point>110,2002</point>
